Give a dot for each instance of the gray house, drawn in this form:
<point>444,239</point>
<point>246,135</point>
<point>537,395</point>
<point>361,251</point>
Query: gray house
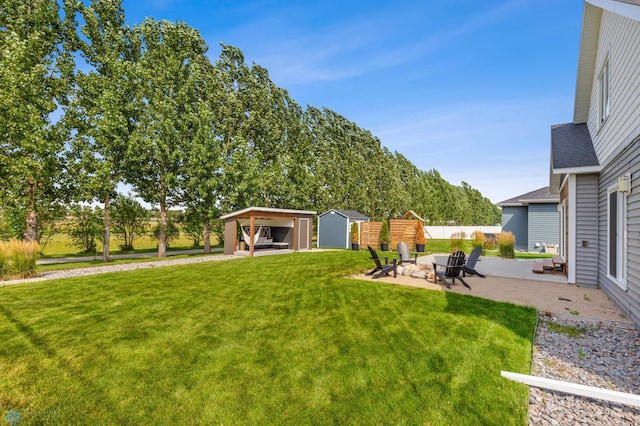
<point>334,227</point>
<point>595,159</point>
<point>533,219</point>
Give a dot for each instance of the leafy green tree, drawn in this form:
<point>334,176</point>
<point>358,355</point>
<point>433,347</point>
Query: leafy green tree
<point>173,231</point>
<point>129,219</point>
<point>86,227</point>
<point>192,225</point>
<point>166,88</point>
<point>33,82</point>
<point>103,112</point>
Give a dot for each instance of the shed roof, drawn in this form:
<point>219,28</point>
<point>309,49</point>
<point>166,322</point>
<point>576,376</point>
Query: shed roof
<point>347,213</point>
<point>539,196</point>
<point>266,212</point>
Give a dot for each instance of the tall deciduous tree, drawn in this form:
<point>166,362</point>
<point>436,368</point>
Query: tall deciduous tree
<point>166,89</point>
<point>33,66</point>
<point>103,110</point>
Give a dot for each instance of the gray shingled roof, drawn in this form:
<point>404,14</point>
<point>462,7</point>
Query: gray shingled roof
<point>351,213</point>
<point>634,2</point>
<point>572,147</point>
<point>542,195</point>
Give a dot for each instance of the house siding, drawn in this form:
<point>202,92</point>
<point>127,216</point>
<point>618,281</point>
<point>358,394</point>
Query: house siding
<point>586,243</point>
<point>627,300</point>
<point>543,225</point>
<point>515,220</point>
<point>619,41</point>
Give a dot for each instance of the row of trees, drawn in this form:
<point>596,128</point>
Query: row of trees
<point>88,102</point>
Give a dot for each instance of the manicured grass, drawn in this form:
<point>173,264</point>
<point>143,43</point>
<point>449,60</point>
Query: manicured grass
<point>280,339</point>
<point>444,246</point>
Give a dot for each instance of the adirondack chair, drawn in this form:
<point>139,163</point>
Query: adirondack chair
<point>469,267</point>
<point>405,255</point>
<point>453,270</point>
<point>381,269</point>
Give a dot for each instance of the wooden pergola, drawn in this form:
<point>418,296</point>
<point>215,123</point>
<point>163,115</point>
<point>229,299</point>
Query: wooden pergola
<point>302,226</point>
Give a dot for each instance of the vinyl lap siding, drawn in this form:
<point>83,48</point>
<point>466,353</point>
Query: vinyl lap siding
<point>544,225</point>
<point>620,42</point>
<point>515,220</point>
<point>627,300</point>
<point>587,230</point>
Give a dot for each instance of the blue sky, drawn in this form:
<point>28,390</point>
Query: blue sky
<point>469,88</point>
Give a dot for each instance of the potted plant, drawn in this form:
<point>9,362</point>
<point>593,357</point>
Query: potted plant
<point>420,241</point>
<point>384,236</point>
<point>355,240</point>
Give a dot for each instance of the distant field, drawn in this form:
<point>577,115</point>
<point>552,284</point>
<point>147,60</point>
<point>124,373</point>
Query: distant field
<point>61,246</point>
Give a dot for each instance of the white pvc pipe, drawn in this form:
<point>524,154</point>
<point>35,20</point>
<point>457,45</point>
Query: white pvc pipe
<point>575,389</point>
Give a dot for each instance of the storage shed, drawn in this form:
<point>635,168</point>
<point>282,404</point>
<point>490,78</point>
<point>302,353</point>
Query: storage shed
<point>261,229</point>
<point>533,219</point>
<point>334,227</point>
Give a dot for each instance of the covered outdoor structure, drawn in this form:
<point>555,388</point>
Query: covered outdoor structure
<point>265,229</point>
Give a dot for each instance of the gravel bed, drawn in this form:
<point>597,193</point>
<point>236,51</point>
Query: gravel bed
<point>603,355</point>
<point>79,272</point>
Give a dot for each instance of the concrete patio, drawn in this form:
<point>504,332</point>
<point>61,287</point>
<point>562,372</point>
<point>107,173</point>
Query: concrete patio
<point>508,268</point>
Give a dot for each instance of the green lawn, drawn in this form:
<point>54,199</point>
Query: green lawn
<point>280,339</point>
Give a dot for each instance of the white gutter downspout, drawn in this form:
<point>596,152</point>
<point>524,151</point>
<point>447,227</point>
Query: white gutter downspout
<point>572,240</point>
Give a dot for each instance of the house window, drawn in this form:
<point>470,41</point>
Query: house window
<point>603,83</point>
<point>617,236</point>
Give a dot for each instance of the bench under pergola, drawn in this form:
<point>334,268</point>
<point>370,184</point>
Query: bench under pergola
<point>290,229</point>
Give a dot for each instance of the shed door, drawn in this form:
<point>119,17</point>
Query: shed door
<point>303,235</point>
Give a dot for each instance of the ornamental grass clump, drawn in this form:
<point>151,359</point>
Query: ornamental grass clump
<point>18,259</point>
<point>457,241</point>
<point>478,240</point>
<point>506,244</point>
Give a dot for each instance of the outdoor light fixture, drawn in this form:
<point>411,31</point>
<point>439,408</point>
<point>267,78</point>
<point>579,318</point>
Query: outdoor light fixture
<point>624,184</point>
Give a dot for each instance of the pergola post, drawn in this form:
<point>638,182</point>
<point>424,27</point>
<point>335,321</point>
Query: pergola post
<point>252,222</point>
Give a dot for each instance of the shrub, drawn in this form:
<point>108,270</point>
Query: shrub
<point>18,258</point>
<point>87,227</point>
<point>354,233</point>
<point>490,242</point>
<point>478,240</point>
<point>4,259</point>
<point>384,233</point>
<point>457,241</point>
<point>506,244</point>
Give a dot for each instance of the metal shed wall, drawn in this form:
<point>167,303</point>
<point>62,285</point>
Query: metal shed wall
<point>332,228</point>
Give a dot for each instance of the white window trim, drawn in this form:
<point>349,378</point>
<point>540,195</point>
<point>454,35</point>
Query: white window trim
<point>621,249</point>
<point>604,92</point>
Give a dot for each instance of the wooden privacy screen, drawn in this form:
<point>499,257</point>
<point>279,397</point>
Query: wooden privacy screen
<point>370,234</point>
<point>402,230</point>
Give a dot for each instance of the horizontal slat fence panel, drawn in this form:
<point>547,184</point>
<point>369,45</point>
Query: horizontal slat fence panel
<point>370,234</point>
<point>402,230</point>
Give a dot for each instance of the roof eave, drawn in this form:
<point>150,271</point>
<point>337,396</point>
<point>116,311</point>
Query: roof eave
<point>577,170</point>
<point>589,36</point>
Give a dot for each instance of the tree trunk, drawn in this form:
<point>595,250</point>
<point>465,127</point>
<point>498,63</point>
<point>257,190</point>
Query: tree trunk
<point>31,222</point>
<point>162,235</point>
<point>207,235</point>
<point>107,230</point>
<point>31,232</point>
